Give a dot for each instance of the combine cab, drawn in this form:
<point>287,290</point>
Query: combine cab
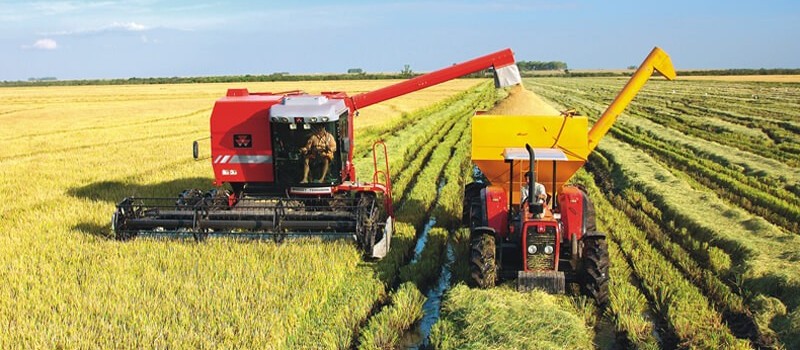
<point>527,222</point>
<point>283,167</point>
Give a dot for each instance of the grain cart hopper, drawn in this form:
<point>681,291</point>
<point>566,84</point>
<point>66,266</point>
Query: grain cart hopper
<point>527,222</point>
<point>283,167</point>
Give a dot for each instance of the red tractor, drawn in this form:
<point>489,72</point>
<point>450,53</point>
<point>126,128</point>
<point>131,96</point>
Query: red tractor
<point>287,160</point>
<point>542,233</point>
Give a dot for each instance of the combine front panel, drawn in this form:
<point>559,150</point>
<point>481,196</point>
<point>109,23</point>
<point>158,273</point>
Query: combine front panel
<point>241,147</point>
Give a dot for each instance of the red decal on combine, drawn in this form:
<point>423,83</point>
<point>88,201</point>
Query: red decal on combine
<point>242,141</point>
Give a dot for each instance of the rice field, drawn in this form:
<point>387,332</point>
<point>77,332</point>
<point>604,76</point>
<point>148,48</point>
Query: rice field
<point>697,186</point>
<point>69,153</point>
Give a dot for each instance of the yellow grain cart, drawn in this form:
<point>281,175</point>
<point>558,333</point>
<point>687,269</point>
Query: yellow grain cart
<point>542,231</point>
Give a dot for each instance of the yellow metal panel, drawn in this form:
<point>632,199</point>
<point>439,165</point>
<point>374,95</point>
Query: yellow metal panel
<point>491,134</point>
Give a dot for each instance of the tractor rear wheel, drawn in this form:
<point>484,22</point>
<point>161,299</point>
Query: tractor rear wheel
<point>594,274</point>
<point>472,215</point>
<point>483,265</point>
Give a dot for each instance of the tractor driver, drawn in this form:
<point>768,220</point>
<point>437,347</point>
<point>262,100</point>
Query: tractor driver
<point>539,194</point>
<point>319,148</point>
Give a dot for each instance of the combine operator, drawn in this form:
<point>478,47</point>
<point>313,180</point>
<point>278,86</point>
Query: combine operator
<point>318,149</point>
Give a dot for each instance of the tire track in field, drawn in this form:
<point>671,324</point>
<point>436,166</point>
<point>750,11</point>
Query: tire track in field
<point>5,113</point>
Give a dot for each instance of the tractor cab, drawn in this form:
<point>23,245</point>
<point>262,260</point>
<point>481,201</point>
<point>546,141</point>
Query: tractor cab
<point>310,142</point>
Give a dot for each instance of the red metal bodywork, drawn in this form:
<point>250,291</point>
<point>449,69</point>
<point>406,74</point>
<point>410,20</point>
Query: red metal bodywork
<point>498,59</point>
<point>241,113</point>
<point>497,209</point>
<point>570,201</point>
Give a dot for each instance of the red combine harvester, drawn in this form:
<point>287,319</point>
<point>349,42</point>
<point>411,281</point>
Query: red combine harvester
<point>288,160</point>
<point>543,232</point>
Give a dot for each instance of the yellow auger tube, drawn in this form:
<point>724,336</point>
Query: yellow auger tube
<point>657,60</point>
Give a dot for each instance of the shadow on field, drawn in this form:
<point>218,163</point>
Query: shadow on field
<point>777,285</point>
<point>115,191</point>
<point>93,229</point>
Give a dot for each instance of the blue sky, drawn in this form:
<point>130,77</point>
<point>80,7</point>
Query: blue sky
<point>73,39</point>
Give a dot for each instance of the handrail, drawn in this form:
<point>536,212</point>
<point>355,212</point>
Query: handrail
<point>385,174</point>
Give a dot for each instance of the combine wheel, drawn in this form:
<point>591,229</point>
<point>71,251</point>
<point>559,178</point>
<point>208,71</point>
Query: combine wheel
<point>124,211</point>
<point>482,263</point>
<point>200,235</point>
<point>594,275</point>
<point>117,227</point>
<point>367,225</point>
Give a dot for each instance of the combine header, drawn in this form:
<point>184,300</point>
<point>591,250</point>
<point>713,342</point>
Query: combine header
<point>287,160</point>
<point>527,222</point>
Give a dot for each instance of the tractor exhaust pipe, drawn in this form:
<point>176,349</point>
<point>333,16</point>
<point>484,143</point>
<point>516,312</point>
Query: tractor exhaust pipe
<point>533,206</point>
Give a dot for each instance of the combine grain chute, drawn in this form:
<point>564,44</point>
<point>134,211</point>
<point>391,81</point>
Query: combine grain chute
<point>527,222</point>
<point>287,159</point>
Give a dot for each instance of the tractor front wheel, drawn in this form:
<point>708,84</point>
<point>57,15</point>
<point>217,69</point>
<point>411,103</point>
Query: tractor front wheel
<point>483,265</point>
<point>594,274</point>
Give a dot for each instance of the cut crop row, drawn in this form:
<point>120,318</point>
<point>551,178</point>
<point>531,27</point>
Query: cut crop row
<point>645,216</point>
<point>684,306</point>
<point>774,204</point>
<point>761,255</point>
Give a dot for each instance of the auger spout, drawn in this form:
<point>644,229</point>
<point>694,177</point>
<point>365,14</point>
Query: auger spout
<point>657,60</point>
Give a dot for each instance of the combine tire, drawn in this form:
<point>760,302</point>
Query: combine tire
<point>483,265</point>
<point>594,275</point>
<point>367,226</point>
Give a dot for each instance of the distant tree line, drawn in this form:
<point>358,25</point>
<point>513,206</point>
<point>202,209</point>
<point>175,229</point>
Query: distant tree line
<point>539,65</point>
<point>357,73</point>
<point>712,72</point>
<point>43,79</point>
<point>281,76</point>
<point>743,71</point>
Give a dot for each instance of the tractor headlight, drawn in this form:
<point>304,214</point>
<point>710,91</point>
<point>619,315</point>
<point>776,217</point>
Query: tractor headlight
<point>292,126</point>
<point>274,119</point>
<point>313,119</point>
<point>325,119</point>
<point>306,126</point>
<point>548,249</point>
<point>532,249</point>
<point>284,119</point>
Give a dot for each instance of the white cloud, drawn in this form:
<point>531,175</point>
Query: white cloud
<point>116,27</point>
<point>147,40</point>
<point>42,44</point>
<point>127,26</point>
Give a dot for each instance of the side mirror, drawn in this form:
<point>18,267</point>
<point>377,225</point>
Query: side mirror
<point>195,150</point>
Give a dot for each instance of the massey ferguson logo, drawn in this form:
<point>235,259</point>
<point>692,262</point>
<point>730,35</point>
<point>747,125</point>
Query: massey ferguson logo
<point>242,141</point>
